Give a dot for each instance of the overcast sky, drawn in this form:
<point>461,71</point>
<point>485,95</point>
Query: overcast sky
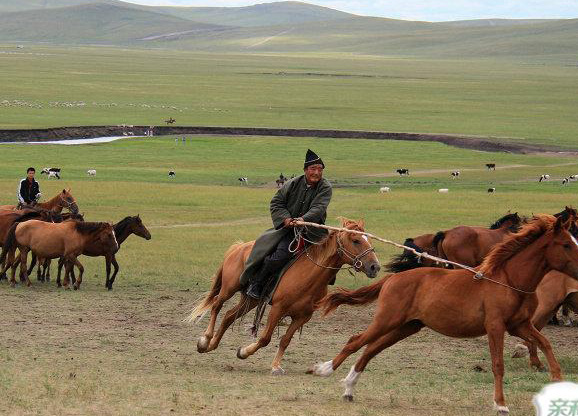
<point>428,10</point>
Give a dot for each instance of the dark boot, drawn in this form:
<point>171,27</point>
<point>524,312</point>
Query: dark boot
<point>257,285</point>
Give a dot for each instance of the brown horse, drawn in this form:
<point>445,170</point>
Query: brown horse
<point>463,244</point>
<point>53,240</point>
<point>456,304</point>
<point>300,287</point>
<point>62,200</point>
<point>555,289</point>
<point>123,229</point>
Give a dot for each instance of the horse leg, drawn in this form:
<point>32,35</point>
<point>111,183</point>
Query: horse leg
<point>60,264</point>
<point>273,319</point>
<point>496,343</point>
<point>245,305</point>
<point>107,266</point>
<point>68,269</point>
<point>116,268</point>
<point>372,350</point>
<point>80,273</point>
<point>296,323</point>
<point>46,271</point>
<point>23,269</point>
<point>528,332</point>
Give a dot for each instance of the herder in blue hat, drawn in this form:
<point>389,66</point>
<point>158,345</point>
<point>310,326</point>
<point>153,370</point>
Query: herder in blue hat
<point>304,198</point>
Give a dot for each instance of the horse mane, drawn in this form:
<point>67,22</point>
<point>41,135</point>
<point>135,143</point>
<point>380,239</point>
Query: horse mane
<point>406,260</point>
<point>90,227</point>
<point>504,251</point>
<point>28,216</point>
<point>121,226</point>
<point>327,247</point>
<point>515,218</point>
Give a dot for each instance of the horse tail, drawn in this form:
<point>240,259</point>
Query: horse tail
<point>343,296</point>
<point>437,243</point>
<point>204,305</point>
<point>9,243</point>
<point>406,260</point>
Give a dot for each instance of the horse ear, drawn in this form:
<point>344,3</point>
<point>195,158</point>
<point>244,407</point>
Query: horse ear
<point>68,190</point>
<point>64,191</point>
<point>562,224</point>
<point>361,223</point>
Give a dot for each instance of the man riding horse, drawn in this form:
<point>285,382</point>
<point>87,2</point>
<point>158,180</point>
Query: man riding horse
<point>304,198</point>
<point>28,190</point>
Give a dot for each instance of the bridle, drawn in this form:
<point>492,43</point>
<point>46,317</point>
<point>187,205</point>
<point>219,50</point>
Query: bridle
<point>356,260</point>
<point>65,203</point>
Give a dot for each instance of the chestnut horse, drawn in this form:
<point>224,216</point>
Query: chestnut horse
<point>555,289</point>
<point>62,200</point>
<point>463,244</point>
<point>123,229</point>
<point>53,240</point>
<point>500,297</point>
<point>300,287</point>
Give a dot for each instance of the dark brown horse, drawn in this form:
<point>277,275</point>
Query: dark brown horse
<point>454,303</point>
<point>62,200</point>
<point>123,229</point>
<point>463,244</point>
<point>301,286</point>
<point>53,240</point>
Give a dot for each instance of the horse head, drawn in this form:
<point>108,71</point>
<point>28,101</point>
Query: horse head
<point>138,228</point>
<point>562,250</point>
<point>509,221</point>
<point>356,249</point>
<point>66,200</point>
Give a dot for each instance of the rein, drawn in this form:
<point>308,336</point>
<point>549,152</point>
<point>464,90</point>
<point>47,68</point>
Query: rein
<point>478,275</point>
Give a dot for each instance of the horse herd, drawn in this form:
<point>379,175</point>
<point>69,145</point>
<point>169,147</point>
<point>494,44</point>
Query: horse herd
<point>49,234</point>
<point>520,271</point>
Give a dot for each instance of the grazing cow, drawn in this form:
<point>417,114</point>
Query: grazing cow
<point>91,172</point>
<point>573,177</point>
<point>491,190</point>
<point>491,166</point>
<point>403,172</point>
<point>384,189</point>
<point>455,174</point>
<point>170,121</point>
<point>244,180</point>
<point>51,172</point>
<point>544,178</point>
<point>565,181</point>
<point>171,174</point>
<point>443,190</point>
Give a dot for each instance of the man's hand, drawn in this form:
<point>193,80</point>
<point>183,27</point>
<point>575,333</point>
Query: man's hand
<point>288,222</point>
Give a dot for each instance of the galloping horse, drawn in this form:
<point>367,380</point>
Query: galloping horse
<point>123,229</point>
<point>62,200</point>
<point>463,244</point>
<point>302,285</point>
<point>500,297</point>
<point>53,240</point>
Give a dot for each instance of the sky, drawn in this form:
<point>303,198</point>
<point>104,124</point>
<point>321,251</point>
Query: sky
<point>425,10</point>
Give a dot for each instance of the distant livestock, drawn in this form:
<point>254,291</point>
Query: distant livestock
<point>91,172</point>
<point>443,190</point>
<point>455,174</point>
<point>403,172</point>
<point>384,189</point>
<point>244,180</point>
<point>51,172</point>
<point>573,177</point>
<point>565,181</point>
<point>544,178</point>
<point>172,174</point>
<point>170,121</point>
<point>491,166</point>
<point>491,190</point>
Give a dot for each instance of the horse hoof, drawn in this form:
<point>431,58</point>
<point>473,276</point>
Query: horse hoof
<point>322,369</point>
<point>501,410</point>
<point>277,371</point>
<point>239,354</point>
<point>75,287</point>
<point>202,344</point>
<point>348,397</point>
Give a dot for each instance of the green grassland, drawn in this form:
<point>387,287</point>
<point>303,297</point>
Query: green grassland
<point>512,100</point>
<point>125,352</point>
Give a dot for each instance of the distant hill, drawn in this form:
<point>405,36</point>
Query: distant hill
<point>23,5</point>
<point>266,14</point>
<point>92,23</point>
<point>495,22</point>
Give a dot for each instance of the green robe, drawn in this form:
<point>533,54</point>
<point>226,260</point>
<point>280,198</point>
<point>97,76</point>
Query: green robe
<point>295,199</point>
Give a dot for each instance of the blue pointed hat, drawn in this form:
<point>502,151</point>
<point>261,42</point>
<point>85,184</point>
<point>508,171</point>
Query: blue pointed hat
<point>312,159</point>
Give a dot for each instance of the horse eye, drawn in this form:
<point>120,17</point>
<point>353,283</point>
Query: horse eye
<point>356,242</point>
<point>567,246</point>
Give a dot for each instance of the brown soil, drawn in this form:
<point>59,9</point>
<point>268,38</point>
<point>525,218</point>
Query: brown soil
<point>84,132</point>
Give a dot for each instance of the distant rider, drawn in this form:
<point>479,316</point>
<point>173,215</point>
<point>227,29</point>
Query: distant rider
<point>28,190</point>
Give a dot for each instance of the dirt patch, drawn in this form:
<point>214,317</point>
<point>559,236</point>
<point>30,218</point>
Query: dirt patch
<point>84,132</point>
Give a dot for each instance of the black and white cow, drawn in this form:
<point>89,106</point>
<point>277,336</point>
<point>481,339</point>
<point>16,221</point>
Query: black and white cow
<point>491,190</point>
<point>455,174</point>
<point>244,180</point>
<point>51,172</point>
<point>172,174</point>
<point>544,178</point>
<point>491,166</point>
<point>403,172</point>
<point>565,181</point>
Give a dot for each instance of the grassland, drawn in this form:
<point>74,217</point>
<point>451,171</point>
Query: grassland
<point>125,352</point>
<point>529,101</point>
